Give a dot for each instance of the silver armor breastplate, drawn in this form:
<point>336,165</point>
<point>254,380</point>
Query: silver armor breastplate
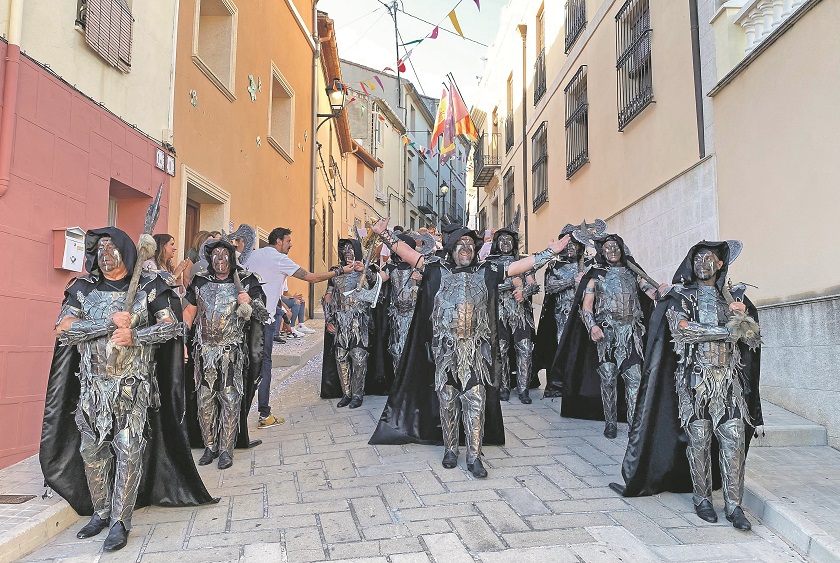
<point>217,320</point>
<point>564,299</point>
<point>460,298</point>
<point>711,310</point>
<point>403,291</point>
<point>343,284</point>
<point>616,296</point>
<point>94,353</point>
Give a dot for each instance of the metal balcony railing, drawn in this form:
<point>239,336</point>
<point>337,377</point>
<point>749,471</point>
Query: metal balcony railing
<point>426,201</point>
<point>575,21</point>
<point>486,159</point>
<point>539,77</point>
<point>455,213</point>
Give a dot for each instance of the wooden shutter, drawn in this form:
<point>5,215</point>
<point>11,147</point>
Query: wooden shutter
<point>108,31</point>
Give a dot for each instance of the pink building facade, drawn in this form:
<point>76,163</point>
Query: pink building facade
<point>73,163</point>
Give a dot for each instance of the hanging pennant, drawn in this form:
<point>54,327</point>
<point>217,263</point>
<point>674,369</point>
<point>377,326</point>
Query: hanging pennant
<point>454,19</point>
<point>378,81</point>
<point>434,33</point>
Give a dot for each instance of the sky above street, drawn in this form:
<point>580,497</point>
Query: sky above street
<point>365,34</point>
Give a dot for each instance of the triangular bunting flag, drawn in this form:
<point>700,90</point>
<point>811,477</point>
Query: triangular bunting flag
<point>454,19</point>
<point>434,33</point>
<point>378,81</point>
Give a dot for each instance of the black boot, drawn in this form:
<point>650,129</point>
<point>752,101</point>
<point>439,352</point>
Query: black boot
<point>610,430</point>
<point>208,457</point>
<point>739,519</point>
<point>93,527</point>
<point>225,460</point>
<point>450,459</point>
<point>504,394</point>
<point>477,469</point>
<point>706,511</point>
<point>356,402</point>
<point>525,397</point>
<point>117,537</point>
<point>345,400</point>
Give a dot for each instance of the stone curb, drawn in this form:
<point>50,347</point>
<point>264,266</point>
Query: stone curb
<point>790,524</point>
<point>29,535</point>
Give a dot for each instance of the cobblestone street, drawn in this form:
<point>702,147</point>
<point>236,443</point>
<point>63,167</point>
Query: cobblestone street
<point>315,490</point>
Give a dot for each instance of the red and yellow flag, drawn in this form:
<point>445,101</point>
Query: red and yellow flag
<point>461,115</point>
<point>441,116</point>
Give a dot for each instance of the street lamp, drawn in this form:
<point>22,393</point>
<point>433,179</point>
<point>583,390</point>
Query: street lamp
<point>443,189</point>
<point>336,93</point>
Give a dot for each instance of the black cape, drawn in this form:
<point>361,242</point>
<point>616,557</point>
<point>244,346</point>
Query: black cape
<point>412,413</point>
<point>574,367</point>
<point>254,342</point>
<point>169,478</point>
<point>655,459</point>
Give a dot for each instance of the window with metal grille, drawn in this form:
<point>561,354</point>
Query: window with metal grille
<point>482,220</point>
<point>577,123</point>
<point>509,132</point>
<point>575,21</point>
<point>633,63</point>
<point>507,187</point>
<point>539,170</point>
<point>108,30</point>
<point>539,64</point>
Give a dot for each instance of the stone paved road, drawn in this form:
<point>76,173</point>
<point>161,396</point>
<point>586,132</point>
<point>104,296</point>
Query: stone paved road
<point>315,490</point>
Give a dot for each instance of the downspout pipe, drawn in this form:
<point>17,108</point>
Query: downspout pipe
<point>10,88</point>
<point>316,57</point>
<point>698,78</point>
<point>523,30</point>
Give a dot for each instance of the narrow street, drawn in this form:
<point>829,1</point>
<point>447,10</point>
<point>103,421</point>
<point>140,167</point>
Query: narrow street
<point>315,490</point>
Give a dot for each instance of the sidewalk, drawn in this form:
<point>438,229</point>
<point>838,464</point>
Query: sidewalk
<point>315,490</point>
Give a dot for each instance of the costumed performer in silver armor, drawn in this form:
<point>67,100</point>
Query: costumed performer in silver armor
<point>516,314</point>
<point>705,339</point>
<point>463,315</point>
<point>116,366</point>
<point>222,300</point>
<point>347,311</point>
<point>562,276</point>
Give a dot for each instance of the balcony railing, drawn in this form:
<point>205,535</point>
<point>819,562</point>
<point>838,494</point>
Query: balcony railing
<point>760,17</point>
<point>539,77</point>
<point>455,213</point>
<point>486,159</point>
<point>575,21</point>
<point>426,201</point>
<point>509,132</point>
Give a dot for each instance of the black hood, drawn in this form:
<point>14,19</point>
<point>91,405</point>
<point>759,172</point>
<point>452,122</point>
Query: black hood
<point>453,232</point>
<point>685,272</point>
<point>357,248</point>
<point>123,242</point>
<point>494,246</point>
<point>599,245</point>
<point>211,245</point>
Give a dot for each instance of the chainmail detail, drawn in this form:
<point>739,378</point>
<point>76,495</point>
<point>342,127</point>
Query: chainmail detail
<point>350,313</point>
<point>560,281</point>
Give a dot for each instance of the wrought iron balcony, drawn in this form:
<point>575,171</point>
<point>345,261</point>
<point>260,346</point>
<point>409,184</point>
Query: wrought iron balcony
<point>455,213</point>
<point>509,132</point>
<point>486,159</point>
<point>426,201</point>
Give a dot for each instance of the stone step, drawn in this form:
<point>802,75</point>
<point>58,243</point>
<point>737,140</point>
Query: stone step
<point>784,428</point>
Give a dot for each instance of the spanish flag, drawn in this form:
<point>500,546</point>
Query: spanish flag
<point>461,115</point>
<point>440,120</point>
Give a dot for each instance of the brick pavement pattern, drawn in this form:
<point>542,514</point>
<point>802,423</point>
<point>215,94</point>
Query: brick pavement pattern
<point>315,490</point>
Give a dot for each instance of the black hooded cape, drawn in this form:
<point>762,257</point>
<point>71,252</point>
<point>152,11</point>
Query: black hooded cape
<point>412,413</point>
<point>655,459</point>
<point>169,476</point>
<point>574,367</point>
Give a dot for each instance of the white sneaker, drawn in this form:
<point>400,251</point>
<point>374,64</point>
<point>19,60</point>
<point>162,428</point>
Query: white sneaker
<point>305,329</point>
<point>298,333</point>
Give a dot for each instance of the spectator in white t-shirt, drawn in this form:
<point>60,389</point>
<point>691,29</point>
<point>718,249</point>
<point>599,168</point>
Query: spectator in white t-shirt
<point>273,265</point>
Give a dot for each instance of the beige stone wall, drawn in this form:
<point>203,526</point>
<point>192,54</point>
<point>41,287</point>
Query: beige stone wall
<point>140,97</point>
<point>778,165</point>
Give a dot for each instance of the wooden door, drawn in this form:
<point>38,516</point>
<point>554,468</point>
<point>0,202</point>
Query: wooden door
<point>191,223</point>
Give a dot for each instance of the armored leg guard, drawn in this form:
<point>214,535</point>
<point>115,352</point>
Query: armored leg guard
<point>472,405</point>
<point>699,452</point>
<point>504,357</point>
<point>342,360</point>
<point>208,416</point>
<point>524,354</point>
<point>231,399</point>
<point>730,435</point>
<point>129,468</point>
<point>449,406</point>
<point>609,379</point>
<point>357,378</point>
<point>632,380</point>
<point>99,462</point>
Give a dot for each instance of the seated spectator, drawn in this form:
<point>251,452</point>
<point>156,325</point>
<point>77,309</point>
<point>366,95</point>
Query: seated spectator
<point>296,306</point>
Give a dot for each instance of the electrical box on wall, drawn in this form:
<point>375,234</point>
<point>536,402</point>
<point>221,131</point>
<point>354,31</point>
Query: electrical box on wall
<point>69,249</point>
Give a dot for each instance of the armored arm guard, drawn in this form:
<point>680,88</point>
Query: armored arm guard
<point>258,311</point>
<point>556,284</point>
<point>695,332</point>
<point>84,330</point>
<point>507,285</point>
<point>588,319</point>
<point>530,289</point>
<point>329,310</point>
<point>542,258</point>
<point>157,333</point>
<point>389,239</point>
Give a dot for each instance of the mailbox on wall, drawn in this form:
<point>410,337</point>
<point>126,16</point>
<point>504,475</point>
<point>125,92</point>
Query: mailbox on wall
<point>69,249</point>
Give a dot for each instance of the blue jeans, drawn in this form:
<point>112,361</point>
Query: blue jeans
<point>297,310</point>
<point>264,389</point>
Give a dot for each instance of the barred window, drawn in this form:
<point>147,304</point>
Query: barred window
<point>575,21</point>
<point>509,131</point>
<point>633,64</point>
<point>539,170</point>
<point>539,64</point>
<point>577,123</point>
<point>108,30</point>
<point>507,187</point>
<point>482,220</point>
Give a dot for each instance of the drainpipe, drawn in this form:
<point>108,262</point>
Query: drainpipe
<point>698,78</point>
<point>316,57</point>
<point>10,88</point>
<point>523,30</point>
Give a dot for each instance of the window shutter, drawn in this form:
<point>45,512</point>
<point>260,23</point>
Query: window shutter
<point>108,31</point>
